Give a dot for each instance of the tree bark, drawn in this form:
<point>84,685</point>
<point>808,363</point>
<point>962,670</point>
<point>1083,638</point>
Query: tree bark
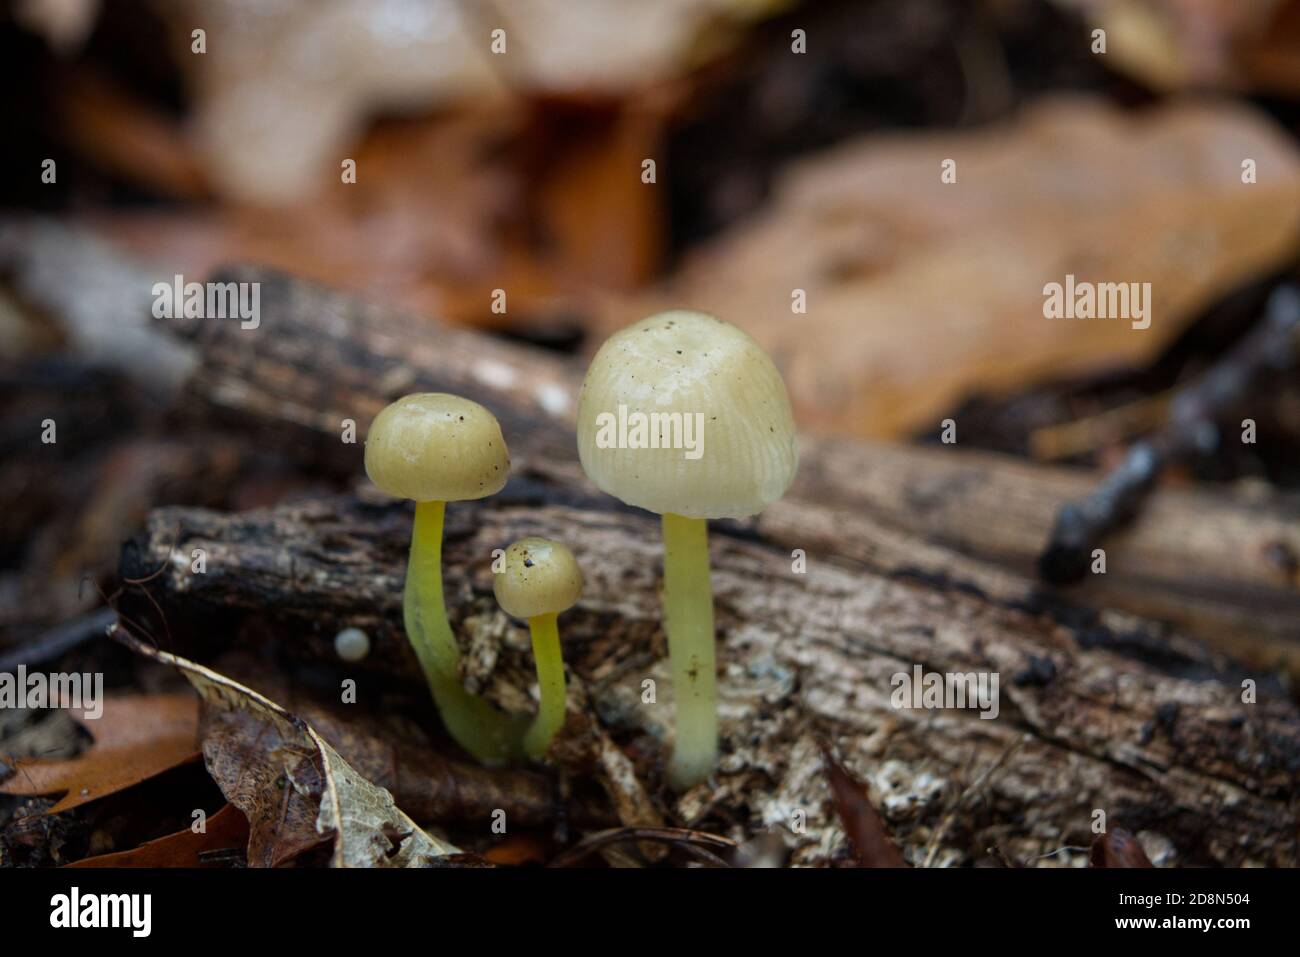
<point>1150,729</point>
<point>1221,569</point>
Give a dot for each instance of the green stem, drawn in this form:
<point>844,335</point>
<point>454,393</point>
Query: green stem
<point>424,611</point>
<point>688,619</point>
<point>550,685</point>
<point>488,734</point>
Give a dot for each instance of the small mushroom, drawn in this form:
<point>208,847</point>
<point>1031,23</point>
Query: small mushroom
<point>352,645</point>
<point>722,446</point>
<point>437,448</point>
<point>541,578</point>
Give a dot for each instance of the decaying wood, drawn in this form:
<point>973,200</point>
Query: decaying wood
<point>1152,731</point>
<point>1222,570</point>
<point>319,360</point>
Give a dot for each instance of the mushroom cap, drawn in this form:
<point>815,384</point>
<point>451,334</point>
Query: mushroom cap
<point>435,447</point>
<point>541,577</point>
<point>352,644</point>
<point>701,367</point>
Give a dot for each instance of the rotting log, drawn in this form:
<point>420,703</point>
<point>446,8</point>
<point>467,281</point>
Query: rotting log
<point>1148,727</point>
<point>1220,568</point>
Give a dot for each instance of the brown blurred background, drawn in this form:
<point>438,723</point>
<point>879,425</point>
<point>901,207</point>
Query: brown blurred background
<point>780,174</point>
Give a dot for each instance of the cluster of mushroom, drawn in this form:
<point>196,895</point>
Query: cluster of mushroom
<point>436,448</point>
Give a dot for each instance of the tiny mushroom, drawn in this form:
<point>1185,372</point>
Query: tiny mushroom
<point>540,579</point>
<point>684,415</point>
<point>437,448</point>
<point>352,645</point>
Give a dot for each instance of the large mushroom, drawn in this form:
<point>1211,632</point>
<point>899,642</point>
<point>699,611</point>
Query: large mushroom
<point>684,415</point>
<point>437,448</point>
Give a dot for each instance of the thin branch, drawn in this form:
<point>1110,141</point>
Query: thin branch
<point>695,842</point>
<point>1192,430</point>
<point>58,640</point>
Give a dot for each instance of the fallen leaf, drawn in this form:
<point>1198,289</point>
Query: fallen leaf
<point>518,850</point>
<point>1117,848</point>
<point>920,293</point>
<point>1173,45</point>
<point>296,791</point>
<point>226,829</point>
<point>862,822</point>
<point>127,136</point>
<point>1273,59</point>
<point>278,145</point>
<point>467,193</point>
<point>136,738</point>
<point>395,754</point>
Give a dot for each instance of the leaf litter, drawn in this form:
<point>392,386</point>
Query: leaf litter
<point>297,792</point>
<point>138,737</point>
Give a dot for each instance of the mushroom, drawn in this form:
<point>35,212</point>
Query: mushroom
<point>352,645</point>
<point>540,579</point>
<point>437,448</point>
<point>685,415</point>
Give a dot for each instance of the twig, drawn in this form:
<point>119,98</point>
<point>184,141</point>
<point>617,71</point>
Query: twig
<point>59,639</point>
<point>1055,851</point>
<point>1055,442</point>
<point>975,786</point>
<point>1271,347</point>
<point>696,842</point>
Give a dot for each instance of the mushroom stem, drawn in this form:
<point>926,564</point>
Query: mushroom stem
<point>489,735</point>
<point>550,685</point>
<point>688,619</point>
<point>425,612</point>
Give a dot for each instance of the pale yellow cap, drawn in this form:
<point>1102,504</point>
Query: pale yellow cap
<point>676,365</point>
<point>541,577</point>
<point>435,447</point>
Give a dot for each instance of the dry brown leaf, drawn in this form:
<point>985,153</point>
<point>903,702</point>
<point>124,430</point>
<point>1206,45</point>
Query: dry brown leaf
<point>469,195</point>
<point>392,752</point>
<point>1173,45</point>
<point>227,829</point>
<point>865,828</point>
<point>442,186</point>
<point>126,136</point>
<point>296,791</point>
<point>1117,848</point>
<point>136,738</point>
<point>517,850</point>
<point>1272,60</point>
<point>920,293</point>
<point>270,131</point>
